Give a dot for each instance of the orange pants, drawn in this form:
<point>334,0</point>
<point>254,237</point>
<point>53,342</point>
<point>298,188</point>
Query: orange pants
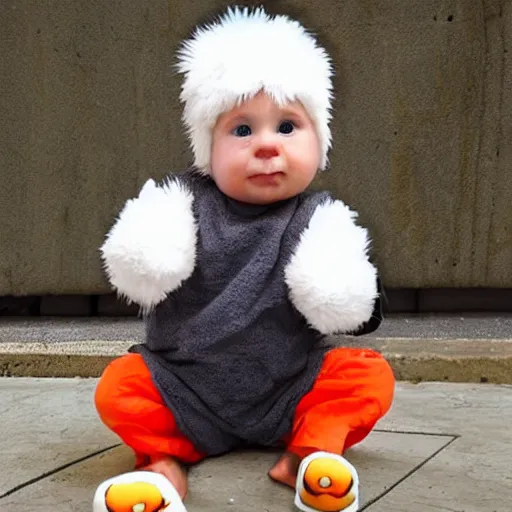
<point>353,390</point>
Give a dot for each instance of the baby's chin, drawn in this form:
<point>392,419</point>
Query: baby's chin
<point>264,196</point>
<point>259,192</point>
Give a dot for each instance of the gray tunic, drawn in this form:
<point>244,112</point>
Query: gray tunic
<point>228,352</point>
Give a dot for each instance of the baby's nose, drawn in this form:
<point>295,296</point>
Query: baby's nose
<point>267,152</point>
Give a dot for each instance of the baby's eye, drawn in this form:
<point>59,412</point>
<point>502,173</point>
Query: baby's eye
<point>242,131</point>
<point>286,127</point>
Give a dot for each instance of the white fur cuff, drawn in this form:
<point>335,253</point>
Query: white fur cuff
<point>150,250</point>
<point>330,280</point>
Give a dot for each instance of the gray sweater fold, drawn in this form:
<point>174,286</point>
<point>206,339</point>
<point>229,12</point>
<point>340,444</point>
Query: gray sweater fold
<point>228,352</point>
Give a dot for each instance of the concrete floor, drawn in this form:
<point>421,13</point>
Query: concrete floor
<point>442,447</point>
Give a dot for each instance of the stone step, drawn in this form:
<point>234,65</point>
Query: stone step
<point>471,348</point>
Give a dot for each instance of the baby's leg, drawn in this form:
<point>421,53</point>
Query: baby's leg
<point>354,389</point>
<point>129,404</point>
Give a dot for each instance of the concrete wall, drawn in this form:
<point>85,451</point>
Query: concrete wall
<point>423,130</point>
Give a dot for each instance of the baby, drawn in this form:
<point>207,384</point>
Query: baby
<point>241,273</point>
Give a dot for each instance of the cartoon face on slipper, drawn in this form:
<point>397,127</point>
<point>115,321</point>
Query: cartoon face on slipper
<point>327,483</point>
<point>139,491</point>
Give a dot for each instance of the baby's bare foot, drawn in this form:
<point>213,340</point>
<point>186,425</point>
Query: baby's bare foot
<point>285,469</point>
<point>173,471</point>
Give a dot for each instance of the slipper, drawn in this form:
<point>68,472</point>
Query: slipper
<point>138,491</point>
<point>327,482</point>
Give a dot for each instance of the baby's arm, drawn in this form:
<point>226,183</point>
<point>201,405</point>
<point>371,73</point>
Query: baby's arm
<point>151,248</point>
<point>330,278</point>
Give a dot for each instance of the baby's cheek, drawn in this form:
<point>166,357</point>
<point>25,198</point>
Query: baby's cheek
<point>231,185</point>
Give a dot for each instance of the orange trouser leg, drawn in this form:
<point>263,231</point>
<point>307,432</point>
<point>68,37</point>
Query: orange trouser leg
<point>128,403</point>
<point>354,389</point>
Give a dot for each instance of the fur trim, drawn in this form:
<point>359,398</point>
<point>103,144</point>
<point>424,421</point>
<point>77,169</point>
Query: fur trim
<point>330,279</point>
<point>243,53</point>
<point>151,248</point>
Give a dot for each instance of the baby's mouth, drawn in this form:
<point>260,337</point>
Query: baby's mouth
<point>272,178</point>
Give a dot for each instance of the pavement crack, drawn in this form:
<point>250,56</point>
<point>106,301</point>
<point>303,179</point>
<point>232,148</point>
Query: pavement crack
<point>415,433</point>
<point>411,472</point>
<point>56,470</point>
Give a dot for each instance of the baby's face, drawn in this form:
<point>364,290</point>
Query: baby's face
<point>263,153</point>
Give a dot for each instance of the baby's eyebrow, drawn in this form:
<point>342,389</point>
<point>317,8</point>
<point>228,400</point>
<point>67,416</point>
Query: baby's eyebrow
<point>238,119</point>
<point>291,112</point>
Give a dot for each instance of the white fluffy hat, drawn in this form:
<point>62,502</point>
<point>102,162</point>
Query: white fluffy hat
<point>244,52</point>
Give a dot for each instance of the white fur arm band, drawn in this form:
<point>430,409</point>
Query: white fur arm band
<point>151,248</point>
<point>330,279</point>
